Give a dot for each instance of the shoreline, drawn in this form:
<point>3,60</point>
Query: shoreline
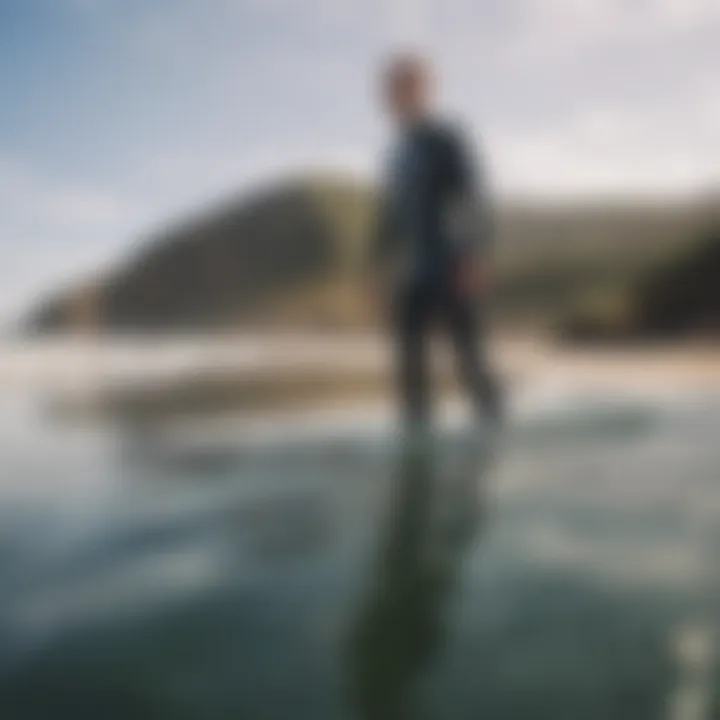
<point>208,376</point>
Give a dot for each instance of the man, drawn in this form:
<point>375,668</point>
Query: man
<point>433,234</point>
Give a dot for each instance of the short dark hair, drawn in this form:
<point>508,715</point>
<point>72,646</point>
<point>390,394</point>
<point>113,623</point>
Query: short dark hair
<point>404,66</point>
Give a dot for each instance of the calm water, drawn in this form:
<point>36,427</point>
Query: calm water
<point>566,570</point>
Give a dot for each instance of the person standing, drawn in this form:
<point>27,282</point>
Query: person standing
<point>431,245</point>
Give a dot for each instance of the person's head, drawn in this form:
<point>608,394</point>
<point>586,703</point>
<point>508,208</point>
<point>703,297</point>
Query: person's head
<point>407,87</point>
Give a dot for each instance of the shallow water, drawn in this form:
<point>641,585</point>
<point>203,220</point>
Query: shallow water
<point>566,569</point>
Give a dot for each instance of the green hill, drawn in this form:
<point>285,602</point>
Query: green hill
<point>256,260</point>
<point>677,297</point>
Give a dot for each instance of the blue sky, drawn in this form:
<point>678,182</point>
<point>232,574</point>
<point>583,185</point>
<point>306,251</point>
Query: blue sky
<point>118,115</point>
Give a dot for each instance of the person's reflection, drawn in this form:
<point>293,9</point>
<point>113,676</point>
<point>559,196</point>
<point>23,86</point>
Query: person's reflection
<point>401,624</point>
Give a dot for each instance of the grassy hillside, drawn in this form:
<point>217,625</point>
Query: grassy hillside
<point>675,296</point>
<point>227,268</point>
<point>554,262</point>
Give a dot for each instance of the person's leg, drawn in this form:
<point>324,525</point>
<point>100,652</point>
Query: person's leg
<point>412,319</point>
<point>466,329</point>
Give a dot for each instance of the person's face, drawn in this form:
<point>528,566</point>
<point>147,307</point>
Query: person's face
<point>407,93</point>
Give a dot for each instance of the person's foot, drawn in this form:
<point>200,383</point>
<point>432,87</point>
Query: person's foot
<point>495,415</point>
<point>493,409</point>
<point>416,435</point>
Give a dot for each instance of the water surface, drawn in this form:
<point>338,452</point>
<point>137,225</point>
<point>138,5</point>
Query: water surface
<point>563,570</point>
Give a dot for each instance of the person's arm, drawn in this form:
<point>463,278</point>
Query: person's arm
<point>383,239</point>
<point>470,213</point>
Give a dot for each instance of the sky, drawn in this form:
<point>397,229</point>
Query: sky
<point>121,115</point>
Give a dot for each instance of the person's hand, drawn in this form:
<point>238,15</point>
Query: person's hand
<point>473,278</point>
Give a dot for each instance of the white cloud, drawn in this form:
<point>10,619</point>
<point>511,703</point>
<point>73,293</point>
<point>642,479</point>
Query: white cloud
<point>78,207</point>
<point>684,13</point>
<point>409,22</point>
<point>40,200</point>
<point>51,229</point>
<point>601,150</point>
<point>558,30</point>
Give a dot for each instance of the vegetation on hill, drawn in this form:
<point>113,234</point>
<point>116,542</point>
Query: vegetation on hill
<point>673,294</point>
<point>254,261</point>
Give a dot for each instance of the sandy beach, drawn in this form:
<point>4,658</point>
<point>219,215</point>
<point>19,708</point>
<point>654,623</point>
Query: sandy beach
<point>255,372</point>
<point>57,361</point>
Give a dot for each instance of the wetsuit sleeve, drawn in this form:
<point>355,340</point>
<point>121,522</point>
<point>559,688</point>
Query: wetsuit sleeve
<point>469,207</point>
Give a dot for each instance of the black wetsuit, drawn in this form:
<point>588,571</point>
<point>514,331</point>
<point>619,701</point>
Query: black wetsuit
<point>434,217</point>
